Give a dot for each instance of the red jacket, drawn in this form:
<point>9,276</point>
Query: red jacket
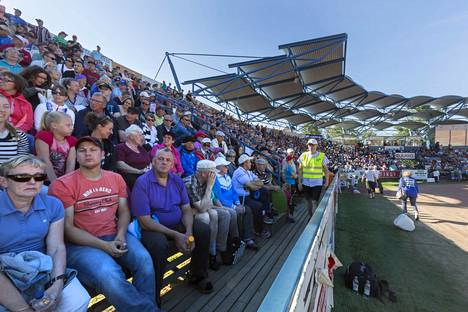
<point>22,115</point>
<point>200,156</point>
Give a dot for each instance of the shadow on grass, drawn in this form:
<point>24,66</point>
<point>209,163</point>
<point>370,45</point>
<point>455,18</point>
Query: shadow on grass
<point>427,271</point>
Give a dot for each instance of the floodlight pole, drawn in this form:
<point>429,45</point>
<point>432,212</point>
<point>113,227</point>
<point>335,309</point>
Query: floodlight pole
<point>174,74</point>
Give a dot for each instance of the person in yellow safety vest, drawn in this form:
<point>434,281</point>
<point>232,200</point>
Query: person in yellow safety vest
<point>313,171</point>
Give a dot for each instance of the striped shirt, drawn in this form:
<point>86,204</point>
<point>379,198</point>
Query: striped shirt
<point>10,146</point>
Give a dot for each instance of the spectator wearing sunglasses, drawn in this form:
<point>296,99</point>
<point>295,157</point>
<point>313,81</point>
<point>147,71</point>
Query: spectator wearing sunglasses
<point>41,231</point>
<point>57,104</point>
<point>184,127</point>
<point>66,69</point>
<point>13,142</point>
<point>165,127</point>
<point>149,131</point>
<point>12,87</point>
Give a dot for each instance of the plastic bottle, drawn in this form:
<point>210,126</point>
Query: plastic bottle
<point>41,301</point>
<point>356,285</point>
<point>367,290</point>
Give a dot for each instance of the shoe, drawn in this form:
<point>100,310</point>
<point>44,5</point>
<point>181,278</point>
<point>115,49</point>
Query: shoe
<point>250,244</point>
<point>203,285</point>
<point>214,265</point>
<point>290,219</point>
<point>416,216</point>
<point>266,234</point>
<point>239,252</point>
<point>267,220</point>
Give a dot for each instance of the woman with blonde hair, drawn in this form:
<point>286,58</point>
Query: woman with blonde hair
<point>55,145</point>
<point>410,190</point>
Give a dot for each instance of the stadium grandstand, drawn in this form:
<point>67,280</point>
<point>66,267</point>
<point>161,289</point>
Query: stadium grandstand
<point>205,200</point>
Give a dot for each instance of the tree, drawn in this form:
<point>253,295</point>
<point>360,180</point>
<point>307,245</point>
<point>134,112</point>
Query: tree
<point>311,129</point>
<point>367,134</point>
<point>402,131</point>
<point>334,132</point>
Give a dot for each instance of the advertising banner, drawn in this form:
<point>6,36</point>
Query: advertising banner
<point>405,155</point>
<point>389,174</point>
<point>419,174</point>
<point>394,148</point>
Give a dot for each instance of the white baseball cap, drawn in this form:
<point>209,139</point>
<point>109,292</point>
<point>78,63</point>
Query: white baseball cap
<point>206,140</point>
<point>312,141</point>
<point>243,158</point>
<point>221,161</point>
<point>206,164</point>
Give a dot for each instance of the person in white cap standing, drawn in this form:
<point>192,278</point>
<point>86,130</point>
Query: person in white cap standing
<point>219,141</point>
<point>312,171</point>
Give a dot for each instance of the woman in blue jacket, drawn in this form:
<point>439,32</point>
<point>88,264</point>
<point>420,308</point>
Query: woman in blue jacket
<point>410,190</point>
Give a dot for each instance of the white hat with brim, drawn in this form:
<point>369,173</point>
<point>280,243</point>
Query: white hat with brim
<point>243,158</point>
<point>221,161</point>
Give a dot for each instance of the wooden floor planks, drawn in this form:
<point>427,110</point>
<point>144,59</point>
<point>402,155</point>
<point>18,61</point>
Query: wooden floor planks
<point>241,287</point>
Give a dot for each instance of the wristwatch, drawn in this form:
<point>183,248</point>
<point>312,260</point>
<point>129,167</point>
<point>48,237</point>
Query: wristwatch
<point>59,277</point>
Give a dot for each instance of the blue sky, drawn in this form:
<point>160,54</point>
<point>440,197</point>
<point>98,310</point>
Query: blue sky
<point>406,47</point>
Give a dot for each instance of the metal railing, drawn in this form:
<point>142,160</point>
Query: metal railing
<point>295,287</point>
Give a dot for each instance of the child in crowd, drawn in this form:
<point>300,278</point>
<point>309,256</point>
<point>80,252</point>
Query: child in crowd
<point>55,145</point>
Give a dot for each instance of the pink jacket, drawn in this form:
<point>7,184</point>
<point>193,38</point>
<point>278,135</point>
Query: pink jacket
<point>22,115</point>
<point>177,164</point>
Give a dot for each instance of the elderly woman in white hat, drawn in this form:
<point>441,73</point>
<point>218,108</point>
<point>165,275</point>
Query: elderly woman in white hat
<point>132,158</point>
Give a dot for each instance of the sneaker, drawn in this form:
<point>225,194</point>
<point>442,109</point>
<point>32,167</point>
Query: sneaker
<point>250,244</point>
<point>214,265</point>
<point>267,220</point>
<point>416,216</point>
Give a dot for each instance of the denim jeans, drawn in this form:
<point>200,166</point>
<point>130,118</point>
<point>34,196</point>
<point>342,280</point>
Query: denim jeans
<point>100,271</point>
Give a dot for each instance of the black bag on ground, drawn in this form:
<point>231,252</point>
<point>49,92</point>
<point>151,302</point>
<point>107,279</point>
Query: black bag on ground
<point>364,272</point>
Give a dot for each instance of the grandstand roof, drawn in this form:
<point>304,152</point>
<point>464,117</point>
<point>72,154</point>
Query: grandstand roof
<point>308,83</point>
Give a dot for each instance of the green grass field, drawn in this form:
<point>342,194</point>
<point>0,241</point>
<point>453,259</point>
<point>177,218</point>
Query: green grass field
<point>412,263</point>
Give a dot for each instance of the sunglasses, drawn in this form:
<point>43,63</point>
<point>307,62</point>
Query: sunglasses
<point>149,119</point>
<point>57,93</point>
<point>23,178</point>
<point>168,120</point>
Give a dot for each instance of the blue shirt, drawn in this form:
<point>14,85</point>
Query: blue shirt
<point>240,178</point>
<point>12,68</point>
<point>5,40</point>
<point>180,131</point>
<point>189,161</point>
<point>27,232</point>
<point>224,191</point>
<point>149,197</point>
<point>409,185</point>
